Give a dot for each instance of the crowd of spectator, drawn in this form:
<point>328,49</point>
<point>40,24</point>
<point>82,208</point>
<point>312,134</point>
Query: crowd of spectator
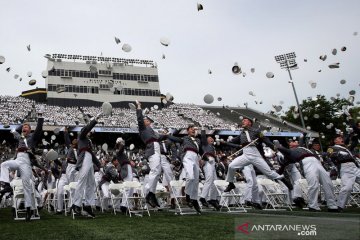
<point>15,110</point>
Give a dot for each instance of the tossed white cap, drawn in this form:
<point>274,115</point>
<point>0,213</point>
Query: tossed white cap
<point>323,57</point>
<point>32,82</point>
<point>165,41</point>
<point>270,75</point>
<point>44,74</point>
<point>106,108</point>
<point>126,47</point>
<point>208,98</point>
<point>132,106</point>
<point>2,59</point>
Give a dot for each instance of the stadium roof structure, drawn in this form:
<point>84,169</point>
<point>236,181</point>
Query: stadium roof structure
<point>274,125</point>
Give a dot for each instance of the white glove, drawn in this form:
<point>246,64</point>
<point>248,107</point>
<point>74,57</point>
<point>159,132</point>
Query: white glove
<point>276,143</point>
<point>346,112</point>
<point>120,140</point>
<point>96,117</point>
<point>13,130</point>
<point>41,111</point>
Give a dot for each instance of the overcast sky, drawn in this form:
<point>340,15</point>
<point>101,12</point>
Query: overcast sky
<point>250,32</point>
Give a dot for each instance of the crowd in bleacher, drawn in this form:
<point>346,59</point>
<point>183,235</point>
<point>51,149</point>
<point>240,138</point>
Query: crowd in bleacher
<point>177,116</point>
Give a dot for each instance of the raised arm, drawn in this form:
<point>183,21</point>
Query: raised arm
<point>67,137</point>
<point>38,131</point>
<point>85,130</point>
<point>203,137</point>
<point>175,139</point>
<point>139,116</point>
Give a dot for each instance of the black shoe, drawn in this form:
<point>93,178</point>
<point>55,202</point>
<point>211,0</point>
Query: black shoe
<point>98,208</point>
<point>58,212</point>
<point>76,209</point>
<point>189,201</point>
<point>154,199</point>
<point>28,214</point>
<point>333,210</point>
<point>52,208</point>
<point>313,210</point>
<point>248,204</point>
<point>215,204</point>
<point>89,211</point>
<point>196,205</point>
<point>230,187</point>
<point>13,212</point>
<point>172,203</point>
<point>257,205</point>
<point>340,209</point>
<point>299,202</point>
<point>123,209</point>
<point>203,202</point>
<point>149,200</point>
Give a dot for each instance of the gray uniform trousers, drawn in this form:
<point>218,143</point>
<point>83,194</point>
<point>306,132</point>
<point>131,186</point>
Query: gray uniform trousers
<point>60,191</point>
<point>128,192</point>
<point>295,175</point>
<point>252,190</point>
<point>155,170</point>
<point>315,174</point>
<point>191,167</point>
<point>167,172</point>
<point>349,174</point>
<point>23,166</point>
<point>86,183</point>
<point>72,176</point>
<point>252,156</point>
<point>209,191</point>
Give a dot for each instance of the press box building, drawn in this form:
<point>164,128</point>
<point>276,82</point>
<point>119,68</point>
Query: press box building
<point>76,80</point>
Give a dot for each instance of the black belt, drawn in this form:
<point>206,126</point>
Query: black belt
<point>347,161</point>
<point>22,149</point>
<point>151,140</point>
<point>208,154</point>
<point>305,156</point>
<point>191,149</point>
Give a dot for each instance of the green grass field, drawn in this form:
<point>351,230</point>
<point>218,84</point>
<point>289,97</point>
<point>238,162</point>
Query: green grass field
<point>166,225</point>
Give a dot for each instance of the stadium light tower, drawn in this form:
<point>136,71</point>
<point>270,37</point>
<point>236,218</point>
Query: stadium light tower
<point>287,61</point>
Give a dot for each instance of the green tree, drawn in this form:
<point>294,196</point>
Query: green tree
<point>322,116</point>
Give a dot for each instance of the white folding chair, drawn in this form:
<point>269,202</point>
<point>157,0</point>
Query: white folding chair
<point>67,198</point>
<point>51,199</point>
<point>176,189</point>
<point>19,197</point>
<point>116,193</point>
<point>162,195</point>
<point>226,197</point>
<point>100,198</point>
<point>355,195</point>
<point>276,198</point>
<point>138,196</point>
<point>304,188</point>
